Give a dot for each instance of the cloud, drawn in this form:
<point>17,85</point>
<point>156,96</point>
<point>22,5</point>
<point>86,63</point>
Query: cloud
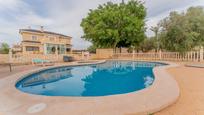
<point>16,14</point>
<point>157,7</point>
<point>161,9</point>
<point>9,4</point>
<point>64,16</point>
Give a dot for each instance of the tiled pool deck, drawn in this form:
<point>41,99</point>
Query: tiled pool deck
<point>191,84</point>
<point>161,94</point>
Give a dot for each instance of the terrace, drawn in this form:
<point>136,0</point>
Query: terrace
<point>138,63</point>
<point>188,82</point>
<point>190,86</point>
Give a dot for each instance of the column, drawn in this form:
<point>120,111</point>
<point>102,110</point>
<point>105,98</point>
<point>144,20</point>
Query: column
<point>201,53</point>
<point>45,49</point>
<point>10,55</point>
<point>160,54</point>
<point>133,54</point>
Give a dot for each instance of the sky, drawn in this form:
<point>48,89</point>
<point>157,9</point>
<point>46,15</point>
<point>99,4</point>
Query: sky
<point>64,16</point>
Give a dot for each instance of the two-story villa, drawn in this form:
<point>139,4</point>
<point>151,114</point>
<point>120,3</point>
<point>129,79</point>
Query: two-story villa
<point>44,42</point>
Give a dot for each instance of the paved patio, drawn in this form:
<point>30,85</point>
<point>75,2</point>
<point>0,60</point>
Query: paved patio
<point>5,71</point>
<point>191,100</point>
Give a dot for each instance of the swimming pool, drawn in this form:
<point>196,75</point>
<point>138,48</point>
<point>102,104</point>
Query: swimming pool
<point>109,78</point>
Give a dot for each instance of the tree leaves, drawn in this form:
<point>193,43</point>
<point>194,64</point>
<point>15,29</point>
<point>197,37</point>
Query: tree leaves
<point>115,25</point>
<point>183,31</point>
<point>4,48</point>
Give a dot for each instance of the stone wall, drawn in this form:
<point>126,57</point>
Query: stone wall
<point>4,58</point>
<point>104,53</point>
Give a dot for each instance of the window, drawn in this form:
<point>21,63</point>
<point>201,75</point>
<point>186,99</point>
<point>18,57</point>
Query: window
<point>34,38</point>
<point>62,49</point>
<point>68,49</point>
<point>55,48</point>
<point>51,49</point>
<point>32,48</point>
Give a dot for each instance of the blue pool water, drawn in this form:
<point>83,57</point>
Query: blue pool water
<point>109,78</point>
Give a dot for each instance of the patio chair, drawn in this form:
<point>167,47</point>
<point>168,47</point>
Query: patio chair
<point>41,62</point>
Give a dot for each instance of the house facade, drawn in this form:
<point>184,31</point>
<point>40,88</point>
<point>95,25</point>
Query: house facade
<point>43,42</point>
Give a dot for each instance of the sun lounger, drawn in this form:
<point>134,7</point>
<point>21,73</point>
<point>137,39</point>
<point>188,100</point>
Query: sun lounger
<point>42,62</point>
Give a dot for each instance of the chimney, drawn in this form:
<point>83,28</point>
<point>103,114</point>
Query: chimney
<point>41,28</point>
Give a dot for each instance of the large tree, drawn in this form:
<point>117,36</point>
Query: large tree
<point>183,31</point>
<point>115,25</point>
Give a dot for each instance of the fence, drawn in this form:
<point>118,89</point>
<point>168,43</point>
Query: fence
<point>165,56</point>
<point>104,53</point>
<point>194,56</point>
<point>27,58</point>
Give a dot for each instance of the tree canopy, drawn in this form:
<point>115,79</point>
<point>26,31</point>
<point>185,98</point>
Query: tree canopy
<point>92,49</point>
<point>115,25</point>
<point>183,31</point>
<point>4,48</point>
<point>149,44</point>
